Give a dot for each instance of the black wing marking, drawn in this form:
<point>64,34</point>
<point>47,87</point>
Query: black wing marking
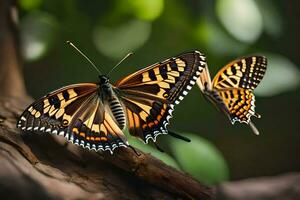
<point>150,94</point>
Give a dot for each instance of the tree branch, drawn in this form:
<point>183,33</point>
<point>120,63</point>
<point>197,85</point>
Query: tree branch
<point>51,162</point>
<point>40,165</point>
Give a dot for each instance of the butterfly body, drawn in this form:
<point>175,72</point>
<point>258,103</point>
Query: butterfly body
<point>93,115</point>
<point>231,90</point>
<point>214,98</point>
<point>108,96</point>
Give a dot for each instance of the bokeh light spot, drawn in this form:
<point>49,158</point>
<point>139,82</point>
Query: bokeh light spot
<point>241,18</point>
<point>116,42</point>
<point>143,9</point>
<point>38,32</point>
<point>282,75</point>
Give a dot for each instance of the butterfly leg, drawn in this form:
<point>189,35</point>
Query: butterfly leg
<point>66,144</point>
<point>254,129</point>
<point>158,147</point>
<point>134,150</point>
<point>176,135</point>
<point>257,115</point>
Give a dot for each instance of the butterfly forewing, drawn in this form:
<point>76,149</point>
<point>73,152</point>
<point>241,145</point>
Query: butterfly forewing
<point>56,108</point>
<point>204,81</point>
<point>168,80</point>
<point>149,95</point>
<point>242,73</point>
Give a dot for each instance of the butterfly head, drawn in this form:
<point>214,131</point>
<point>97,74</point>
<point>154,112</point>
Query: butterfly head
<point>103,79</point>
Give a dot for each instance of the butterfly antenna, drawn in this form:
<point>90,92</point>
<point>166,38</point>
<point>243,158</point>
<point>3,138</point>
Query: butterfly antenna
<point>94,66</point>
<point>129,54</point>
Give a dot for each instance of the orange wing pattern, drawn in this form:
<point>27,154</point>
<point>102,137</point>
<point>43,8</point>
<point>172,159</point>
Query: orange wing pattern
<point>93,127</point>
<point>168,80</point>
<point>239,103</point>
<point>149,95</point>
<point>90,115</point>
<point>242,73</point>
<point>147,118</point>
<point>231,89</point>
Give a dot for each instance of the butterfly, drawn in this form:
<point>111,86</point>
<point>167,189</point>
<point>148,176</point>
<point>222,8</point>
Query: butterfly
<point>231,90</point>
<point>94,115</point>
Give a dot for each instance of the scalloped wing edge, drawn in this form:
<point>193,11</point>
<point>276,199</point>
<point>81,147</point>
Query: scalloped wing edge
<point>70,138</point>
<point>163,130</point>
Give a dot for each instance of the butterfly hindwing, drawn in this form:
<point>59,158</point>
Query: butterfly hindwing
<point>149,95</point>
<point>147,118</point>
<point>93,127</point>
<point>239,103</point>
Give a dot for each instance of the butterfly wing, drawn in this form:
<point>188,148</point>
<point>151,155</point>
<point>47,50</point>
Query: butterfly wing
<point>56,108</point>
<point>242,73</point>
<point>76,113</point>
<point>233,85</point>
<point>94,127</point>
<point>205,84</point>
<point>168,80</point>
<point>147,118</point>
<point>238,105</point>
<point>204,81</point>
<point>150,94</point>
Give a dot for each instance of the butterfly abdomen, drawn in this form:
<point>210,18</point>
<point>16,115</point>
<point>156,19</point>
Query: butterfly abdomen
<point>117,111</point>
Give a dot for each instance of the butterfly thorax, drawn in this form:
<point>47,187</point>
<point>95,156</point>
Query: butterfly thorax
<point>106,91</point>
<point>109,97</point>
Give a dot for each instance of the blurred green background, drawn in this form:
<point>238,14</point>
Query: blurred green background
<point>157,29</point>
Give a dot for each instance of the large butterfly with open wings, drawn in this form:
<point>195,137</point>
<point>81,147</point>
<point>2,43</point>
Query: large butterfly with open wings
<point>94,115</point>
<point>232,87</point>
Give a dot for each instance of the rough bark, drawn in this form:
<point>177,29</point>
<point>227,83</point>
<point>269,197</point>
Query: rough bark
<point>35,166</point>
<point>39,165</point>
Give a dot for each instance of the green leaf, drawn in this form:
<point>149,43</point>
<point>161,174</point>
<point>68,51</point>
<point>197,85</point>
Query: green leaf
<point>201,159</point>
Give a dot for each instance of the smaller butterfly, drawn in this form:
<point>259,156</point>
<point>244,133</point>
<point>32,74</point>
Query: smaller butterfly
<point>231,90</point>
<point>94,115</point>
